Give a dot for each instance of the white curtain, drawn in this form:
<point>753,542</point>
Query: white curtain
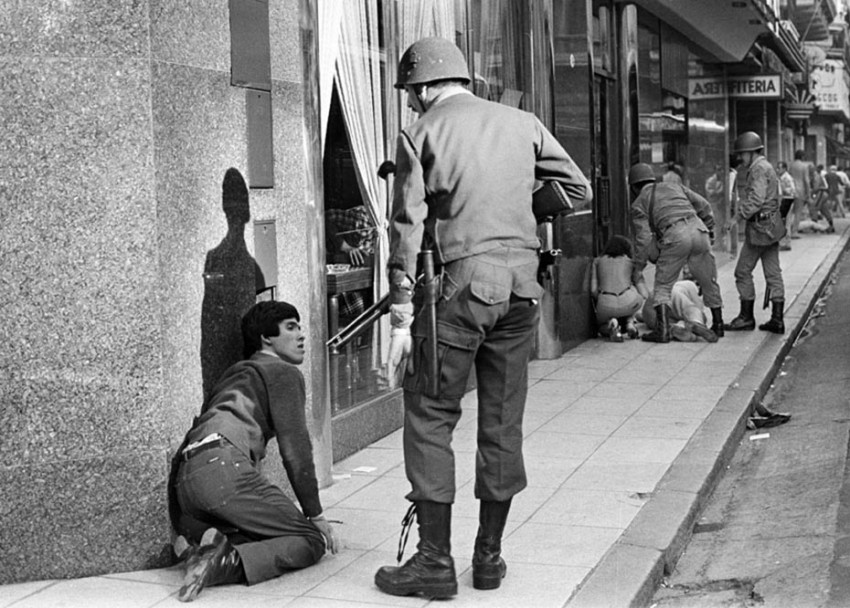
<point>350,55</point>
<point>330,15</point>
<point>358,81</point>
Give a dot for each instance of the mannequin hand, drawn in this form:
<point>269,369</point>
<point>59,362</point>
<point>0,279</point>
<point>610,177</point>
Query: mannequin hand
<point>356,256</point>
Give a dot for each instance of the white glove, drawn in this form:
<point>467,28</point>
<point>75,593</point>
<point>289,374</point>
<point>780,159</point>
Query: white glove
<point>401,342</point>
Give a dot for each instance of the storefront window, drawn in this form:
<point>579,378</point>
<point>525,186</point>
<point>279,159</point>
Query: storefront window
<point>707,160</point>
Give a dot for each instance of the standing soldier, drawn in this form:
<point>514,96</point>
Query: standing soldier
<point>764,229</point>
<point>679,222</point>
<point>465,174</point>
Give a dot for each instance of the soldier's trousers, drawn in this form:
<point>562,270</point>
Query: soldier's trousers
<point>769,256</point>
<point>487,315</point>
<point>686,241</point>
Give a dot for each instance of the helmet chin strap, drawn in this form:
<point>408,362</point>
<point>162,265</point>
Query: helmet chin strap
<point>422,99</point>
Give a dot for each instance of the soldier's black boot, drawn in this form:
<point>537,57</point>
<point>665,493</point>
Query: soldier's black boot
<point>777,319</point>
<point>488,567</point>
<point>661,333</point>
<point>431,570</point>
<point>745,321</point>
<point>717,321</point>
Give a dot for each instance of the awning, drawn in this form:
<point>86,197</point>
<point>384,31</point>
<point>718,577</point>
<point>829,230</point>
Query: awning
<point>782,42</point>
<point>726,29</point>
<point>812,19</point>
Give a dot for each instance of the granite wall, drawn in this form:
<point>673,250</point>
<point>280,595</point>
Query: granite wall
<point>120,125</point>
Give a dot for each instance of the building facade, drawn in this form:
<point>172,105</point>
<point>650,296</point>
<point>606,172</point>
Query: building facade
<point>167,164</point>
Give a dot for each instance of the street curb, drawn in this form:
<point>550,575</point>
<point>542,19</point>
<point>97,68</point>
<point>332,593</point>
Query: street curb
<point>630,572</point>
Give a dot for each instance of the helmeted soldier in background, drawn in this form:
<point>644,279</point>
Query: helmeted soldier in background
<point>679,222</point>
<point>466,170</point>
<point>764,229</point>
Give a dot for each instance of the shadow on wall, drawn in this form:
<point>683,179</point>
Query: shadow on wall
<point>232,278</point>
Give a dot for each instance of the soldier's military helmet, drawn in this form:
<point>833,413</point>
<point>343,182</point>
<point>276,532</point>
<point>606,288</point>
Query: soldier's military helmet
<point>747,142</point>
<point>431,59</point>
<point>640,173</point>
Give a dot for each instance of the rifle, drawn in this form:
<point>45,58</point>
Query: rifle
<point>360,324</point>
<point>428,311</point>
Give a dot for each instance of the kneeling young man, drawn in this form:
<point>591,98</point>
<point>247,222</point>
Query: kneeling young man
<point>248,530</point>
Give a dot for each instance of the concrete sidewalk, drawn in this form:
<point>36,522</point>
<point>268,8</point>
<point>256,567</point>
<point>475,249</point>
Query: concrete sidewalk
<point>623,445</point>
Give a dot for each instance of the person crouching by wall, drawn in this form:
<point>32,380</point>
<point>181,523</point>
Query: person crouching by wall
<point>617,298</point>
<point>246,529</point>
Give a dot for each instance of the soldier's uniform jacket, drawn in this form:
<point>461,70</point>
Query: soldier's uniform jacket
<point>761,194</point>
<point>673,202</point>
<point>465,172</point>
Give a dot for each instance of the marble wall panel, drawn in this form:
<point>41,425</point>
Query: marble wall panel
<point>80,335</point>
<point>199,133</point>
<point>94,28</point>
<point>285,37</point>
<point>83,517</point>
<point>191,33</point>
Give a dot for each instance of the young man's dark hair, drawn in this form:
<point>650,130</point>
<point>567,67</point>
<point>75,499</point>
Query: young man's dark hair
<point>264,320</point>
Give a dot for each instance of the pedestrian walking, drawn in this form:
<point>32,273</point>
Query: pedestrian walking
<point>787,194</point>
<point>466,170</point>
<point>800,170</point>
<point>673,226</point>
<point>821,205</point>
<point>234,524</point>
<point>834,193</point>
<point>764,229</point>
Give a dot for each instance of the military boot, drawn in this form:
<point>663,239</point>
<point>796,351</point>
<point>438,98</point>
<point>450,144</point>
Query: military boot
<point>717,321</point>
<point>745,321</point>
<point>215,562</point>
<point>431,570</point>
<point>661,333</point>
<point>777,319</point>
<point>488,567</point>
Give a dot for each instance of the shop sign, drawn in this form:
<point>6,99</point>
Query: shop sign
<point>829,86</point>
<point>761,86</point>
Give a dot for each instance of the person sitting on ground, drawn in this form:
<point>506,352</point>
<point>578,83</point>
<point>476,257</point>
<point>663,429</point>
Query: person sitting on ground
<point>247,529</point>
<point>616,297</point>
<point>688,316</point>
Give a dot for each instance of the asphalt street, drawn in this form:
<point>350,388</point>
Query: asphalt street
<point>776,531</point>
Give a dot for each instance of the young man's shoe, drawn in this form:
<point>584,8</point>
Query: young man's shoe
<point>703,332</point>
<point>216,562</point>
